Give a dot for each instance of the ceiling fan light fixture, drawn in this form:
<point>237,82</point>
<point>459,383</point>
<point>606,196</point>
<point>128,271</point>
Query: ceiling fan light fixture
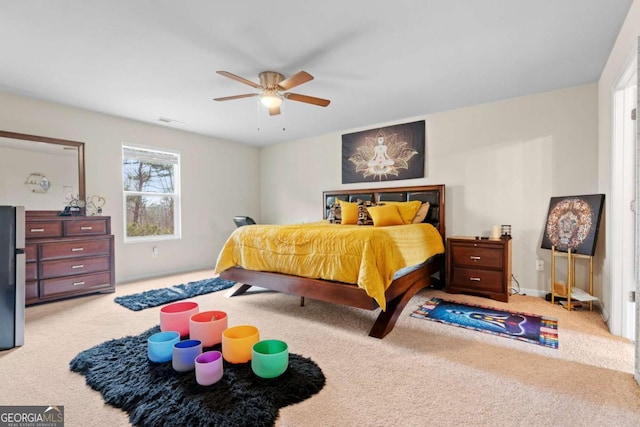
<point>270,87</point>
<point>271,99</point>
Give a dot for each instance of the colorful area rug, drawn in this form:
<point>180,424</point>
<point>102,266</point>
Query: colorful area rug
<point>520,326</point>
<point>156,297</point>
<point>153,394</point>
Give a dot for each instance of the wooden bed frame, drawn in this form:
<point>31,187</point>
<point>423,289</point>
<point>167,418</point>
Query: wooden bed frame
<point>399,292</point>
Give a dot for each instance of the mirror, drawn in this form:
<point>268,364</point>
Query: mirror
<point>59,161</point>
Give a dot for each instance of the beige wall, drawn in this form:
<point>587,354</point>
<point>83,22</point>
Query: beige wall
<point>219,180</point>
<point>501,163</point>
<point>613,301</point>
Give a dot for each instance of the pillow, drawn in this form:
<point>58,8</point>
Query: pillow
<point>384,215</point>
<point>335,213</point>
<point>363,214</point>
<point>407,210</point>
<point>421,214</point>
<point>349,212</point>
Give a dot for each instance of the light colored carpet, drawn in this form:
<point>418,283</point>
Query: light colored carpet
<point>422,373</point>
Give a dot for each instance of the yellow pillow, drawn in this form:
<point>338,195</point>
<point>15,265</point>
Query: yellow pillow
<point>385,215</point>
<point>421,214</point>
<point>349,212</point>
<point>407,210</point>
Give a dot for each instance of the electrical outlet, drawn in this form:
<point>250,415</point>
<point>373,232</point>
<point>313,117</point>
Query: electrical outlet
<point>154,251</point>
<point>539,265</point>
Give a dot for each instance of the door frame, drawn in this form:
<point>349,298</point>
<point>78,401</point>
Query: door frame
<point>624,193</point>
<point>625,207</point>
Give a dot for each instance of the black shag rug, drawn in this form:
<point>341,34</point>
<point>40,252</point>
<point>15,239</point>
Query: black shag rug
<point>156,297</point>
<point>153,394</point>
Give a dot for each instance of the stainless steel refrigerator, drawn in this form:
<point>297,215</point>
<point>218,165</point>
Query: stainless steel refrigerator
<point>12,276</point>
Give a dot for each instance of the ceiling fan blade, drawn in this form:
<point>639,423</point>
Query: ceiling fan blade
<point>274,111</point>
<point>308,99</point>
<point>238,79</point>
<point>296,80</point>
<point>229,98</point>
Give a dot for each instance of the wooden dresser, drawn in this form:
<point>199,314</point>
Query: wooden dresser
<point>479,267</point>
<point>67,256</point>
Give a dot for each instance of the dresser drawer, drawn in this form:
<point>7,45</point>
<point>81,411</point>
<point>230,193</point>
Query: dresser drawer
<point>31,291</point>
<point>31,271</point>
<point>477,256</point>
<point>73,266</point>
<point>74,249</point>
<point>31,252</point>
<point>73,284</point>
<point>477,279</point>
<point>85,227</point>
<point>40,229</point>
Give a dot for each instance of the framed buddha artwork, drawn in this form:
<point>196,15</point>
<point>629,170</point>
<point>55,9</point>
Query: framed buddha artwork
<point>384,154</point>
<point>573,223</point>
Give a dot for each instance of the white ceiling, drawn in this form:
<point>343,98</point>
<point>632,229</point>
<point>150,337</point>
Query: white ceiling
<point>376,60</point>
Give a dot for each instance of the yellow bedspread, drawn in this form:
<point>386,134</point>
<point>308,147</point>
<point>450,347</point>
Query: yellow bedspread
<point>364,255</point>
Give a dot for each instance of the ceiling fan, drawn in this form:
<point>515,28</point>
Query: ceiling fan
<point>271,85</point>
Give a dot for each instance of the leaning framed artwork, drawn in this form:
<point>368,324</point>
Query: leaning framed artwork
<point>573,223</point>
<point>384,154</point>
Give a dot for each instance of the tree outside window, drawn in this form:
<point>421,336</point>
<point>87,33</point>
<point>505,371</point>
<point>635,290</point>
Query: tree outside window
<point>151,193</point>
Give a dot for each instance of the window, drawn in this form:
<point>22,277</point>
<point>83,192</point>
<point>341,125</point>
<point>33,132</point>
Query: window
<point>151,194</point>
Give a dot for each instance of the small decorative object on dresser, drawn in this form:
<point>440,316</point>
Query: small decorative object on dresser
<point>94,205</point>
<point>480,267</point>
<point>67,256</point>
<point>74,206</point>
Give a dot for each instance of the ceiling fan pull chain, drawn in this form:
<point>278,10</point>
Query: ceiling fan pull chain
<point>282,118</point>
<point>258,115</point>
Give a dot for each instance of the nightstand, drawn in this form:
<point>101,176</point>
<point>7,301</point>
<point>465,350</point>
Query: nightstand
<point>479,267</point>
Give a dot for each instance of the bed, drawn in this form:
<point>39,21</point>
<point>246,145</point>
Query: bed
<point>402,287</point>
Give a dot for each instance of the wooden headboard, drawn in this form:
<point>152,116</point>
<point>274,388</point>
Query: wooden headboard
<point>434,194</point>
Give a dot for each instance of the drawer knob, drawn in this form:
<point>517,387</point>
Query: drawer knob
<point>77,249</point>
<point>37,230</point>
<point>86,228</point>
<point>78,266</point>
<point>475,258</point>
<point>78,283</point>
<point>474,279</point>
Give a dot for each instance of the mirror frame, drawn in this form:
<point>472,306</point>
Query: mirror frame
<point>78,145</point>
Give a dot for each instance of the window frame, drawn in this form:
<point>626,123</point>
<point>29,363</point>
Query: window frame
<point>176,195</point>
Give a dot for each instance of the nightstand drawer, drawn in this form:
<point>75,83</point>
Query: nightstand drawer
<point>471,255</point>
<point>477,279</point>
